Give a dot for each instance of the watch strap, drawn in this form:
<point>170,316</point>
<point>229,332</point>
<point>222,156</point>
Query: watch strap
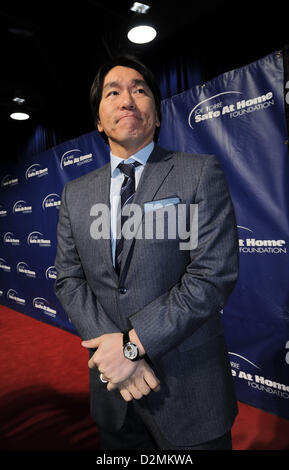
<point>125,338</point>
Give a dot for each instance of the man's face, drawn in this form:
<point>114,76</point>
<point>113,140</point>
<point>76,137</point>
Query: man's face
<point>127,112</point>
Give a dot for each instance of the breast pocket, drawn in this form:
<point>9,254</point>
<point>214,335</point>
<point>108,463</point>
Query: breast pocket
<point>162,222</point>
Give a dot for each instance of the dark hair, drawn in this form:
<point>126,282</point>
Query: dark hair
<point>125,61</point>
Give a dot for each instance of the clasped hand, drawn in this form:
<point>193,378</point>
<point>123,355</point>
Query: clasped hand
<point>133,379</point>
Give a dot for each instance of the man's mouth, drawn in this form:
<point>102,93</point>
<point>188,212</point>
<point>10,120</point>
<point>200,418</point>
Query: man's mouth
<point>127,116</point>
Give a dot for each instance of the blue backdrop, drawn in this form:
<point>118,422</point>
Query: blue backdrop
<point>240,117</point>
<point>29,203</point>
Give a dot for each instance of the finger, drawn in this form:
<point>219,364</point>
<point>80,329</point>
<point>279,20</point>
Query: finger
<point>110,386</point>
<point>126,395</point>
<point>152,381</point>
<point>142,386</point>
<point>91,363</point>
<point>133,390</point>
<point>91,343</point>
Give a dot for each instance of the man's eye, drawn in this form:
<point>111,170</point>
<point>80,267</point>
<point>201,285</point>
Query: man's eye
<point>112,93</point>
<point>139,90</point>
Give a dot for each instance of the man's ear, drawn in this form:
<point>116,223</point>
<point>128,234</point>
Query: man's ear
<point>157,120</point>
<point>99,126</point>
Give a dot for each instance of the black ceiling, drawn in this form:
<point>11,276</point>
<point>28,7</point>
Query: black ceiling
<point>50,50</point>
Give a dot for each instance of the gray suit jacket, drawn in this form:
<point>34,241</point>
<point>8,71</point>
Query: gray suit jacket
<point>171,297</point>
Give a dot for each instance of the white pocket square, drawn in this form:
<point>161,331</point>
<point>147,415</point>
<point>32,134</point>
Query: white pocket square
<point>160,204</point>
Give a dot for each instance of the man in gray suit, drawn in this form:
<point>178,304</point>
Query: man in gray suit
<point>148,306</point>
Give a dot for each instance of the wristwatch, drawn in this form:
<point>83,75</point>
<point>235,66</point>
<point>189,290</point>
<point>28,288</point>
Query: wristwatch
<point>130,350</point>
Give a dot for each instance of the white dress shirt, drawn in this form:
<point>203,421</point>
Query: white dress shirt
<point>116,181</point>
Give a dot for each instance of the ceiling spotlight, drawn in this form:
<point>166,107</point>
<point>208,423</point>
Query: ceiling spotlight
<point>142,31</point>
<point>19,112</point>
<point>18,100</point>
<point>139,7</point>
<point>19,116</point>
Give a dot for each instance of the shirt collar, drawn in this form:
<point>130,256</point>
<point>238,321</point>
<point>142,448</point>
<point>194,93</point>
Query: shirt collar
<point>141,156</point>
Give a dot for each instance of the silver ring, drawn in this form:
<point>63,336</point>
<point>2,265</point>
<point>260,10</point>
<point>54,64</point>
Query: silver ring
<point>102,379</point>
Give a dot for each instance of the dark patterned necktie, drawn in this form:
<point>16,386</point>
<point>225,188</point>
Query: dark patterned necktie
<point>126,196</point>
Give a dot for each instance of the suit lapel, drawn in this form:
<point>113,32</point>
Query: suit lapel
<point>99,193</point>
<point>155,172</point>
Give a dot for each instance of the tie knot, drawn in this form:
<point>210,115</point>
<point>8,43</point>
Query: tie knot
<point>128,168</point>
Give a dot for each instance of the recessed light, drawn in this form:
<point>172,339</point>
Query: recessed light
<point>19,116</point>
<point>141,34</point>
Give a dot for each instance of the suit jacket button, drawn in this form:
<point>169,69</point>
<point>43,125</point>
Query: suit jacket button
<point>122,290</point>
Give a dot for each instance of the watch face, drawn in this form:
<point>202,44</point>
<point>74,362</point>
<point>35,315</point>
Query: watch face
<point>130,351</point>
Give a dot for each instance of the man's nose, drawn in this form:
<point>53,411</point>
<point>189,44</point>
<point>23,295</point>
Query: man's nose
<point>127,100</point>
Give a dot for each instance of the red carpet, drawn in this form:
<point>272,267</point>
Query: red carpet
<point>44,402</point>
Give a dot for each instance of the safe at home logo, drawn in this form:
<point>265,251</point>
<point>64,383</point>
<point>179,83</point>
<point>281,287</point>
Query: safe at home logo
<point>251,375</point>
<point>37,239</point>
<point>3,211</point>
<point>10,239</point>
<point>35,171</point>
<point>21,207</point>
<point>52,200</point>
<point>13,295</point>
<point>51,273</point>
<point>230,104</point>
<point>74,157</point>
<point>9,180</point>
<point>42,304</point>
<point>250,244</point>
<point>23,268</point>
<point>4,266</point>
